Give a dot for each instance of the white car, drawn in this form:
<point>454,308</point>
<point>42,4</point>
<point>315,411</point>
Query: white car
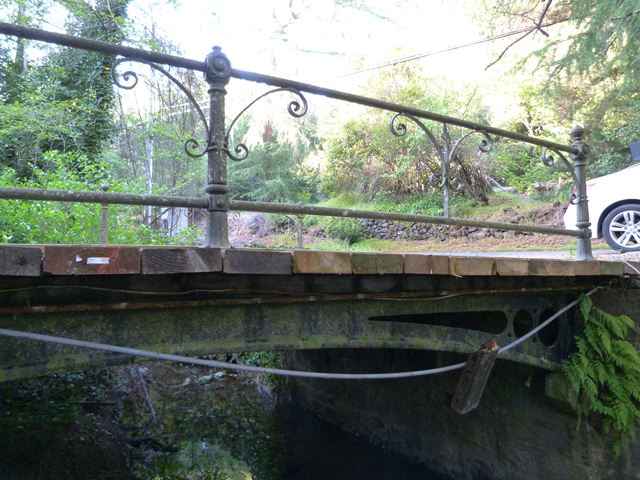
<point>614,209</point>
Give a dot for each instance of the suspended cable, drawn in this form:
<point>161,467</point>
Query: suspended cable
<point>273,371</point>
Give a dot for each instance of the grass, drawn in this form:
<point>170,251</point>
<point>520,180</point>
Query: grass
<point>499,202</point>
<point>519,243</point>
<point>430,205</point>
<point>328,245</point>
<point>374,245</point>
<point>425,204</point>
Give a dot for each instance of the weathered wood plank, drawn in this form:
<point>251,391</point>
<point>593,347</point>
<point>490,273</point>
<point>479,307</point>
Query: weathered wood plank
<point>588,268</point>
<point>426,264</point>
<point>251,261</point>
<point>552,268</point>
<point>474,377</point>
<point>376,263</point>
<point>389,263</point>
<point>180,260</point>
<point>611,268</point>
<point>20,261</point>
<point>509,267</point>
<point>471,266</point>
<point>337,263</point>
<point>90,260</point>
<point>363,263</point>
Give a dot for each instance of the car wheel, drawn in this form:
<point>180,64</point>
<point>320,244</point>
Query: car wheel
<point>621,228</point>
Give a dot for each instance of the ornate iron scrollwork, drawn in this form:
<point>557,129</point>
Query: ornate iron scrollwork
<point>399,129</point>
<point>296,109</point>
<point>485,145</point>
<point>444,151</point>
<point>549,160</point>
<point>191,145</point>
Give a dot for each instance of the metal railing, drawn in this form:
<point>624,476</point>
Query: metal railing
<point>218,72</point>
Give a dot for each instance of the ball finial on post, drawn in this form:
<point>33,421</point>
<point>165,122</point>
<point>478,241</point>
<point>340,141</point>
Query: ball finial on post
<point>579,157</point>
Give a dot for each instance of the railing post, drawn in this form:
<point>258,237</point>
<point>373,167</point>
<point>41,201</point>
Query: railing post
<point>299,237</point>
<point>446,164</point>
<point>217,74</point>
<point>583,251</point>
<point>104,217</point>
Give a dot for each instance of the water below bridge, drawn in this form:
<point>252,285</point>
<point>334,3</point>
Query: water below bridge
<point>168,422</point>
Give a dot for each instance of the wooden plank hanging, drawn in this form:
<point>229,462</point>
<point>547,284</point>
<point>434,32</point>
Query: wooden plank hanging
<point>474,378</point>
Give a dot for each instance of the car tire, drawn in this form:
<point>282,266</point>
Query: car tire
<point>621,228</point>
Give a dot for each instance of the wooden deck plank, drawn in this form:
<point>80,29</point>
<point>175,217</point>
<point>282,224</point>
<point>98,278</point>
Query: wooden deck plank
<point>552,268</point>
<point>376,263</point>
<point>90,260</point>
<point>180,260</point>
<point>588,267</point>
<point>33,260</point>
<point>426,264</point>
<point>611,268</point>
<point>472,266</point>
<point>336,263</point>
<point>631,268</point>
<point>507,267</point>
<point>250,261</point>
<point>20,261</point>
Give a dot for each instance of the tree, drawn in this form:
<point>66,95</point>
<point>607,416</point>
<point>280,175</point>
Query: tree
<point>365,157</point>
<point>275,169</point>
<point>592,68</point>
<point>86,76</point>
<point>63,103</point>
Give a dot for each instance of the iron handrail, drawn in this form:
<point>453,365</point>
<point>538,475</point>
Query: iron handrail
<point>181,62</point>
<point>218,71</point>
<point>40,194</point>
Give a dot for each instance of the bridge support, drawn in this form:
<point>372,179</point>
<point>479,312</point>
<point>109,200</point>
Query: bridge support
<point>457,324</point>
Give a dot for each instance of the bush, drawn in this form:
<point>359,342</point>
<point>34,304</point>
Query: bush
<point>60,222</point>
<point>347,229</point>
<point>520,166</point>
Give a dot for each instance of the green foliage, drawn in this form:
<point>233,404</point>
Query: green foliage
<point>424,204</point>
<point>365,157</point>
<point>273,171</point>
<point>605,371</point>
<point>372,245</point>
<point>346,229</point>
<point>328,246</point>
<point>591,76</point>
<point>29,128</point>
<point>65,102</point>
<point>515,165</point>
<point>53,222</point>
<point>260,359</point>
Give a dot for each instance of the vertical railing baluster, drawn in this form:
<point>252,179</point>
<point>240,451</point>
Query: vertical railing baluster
<point>583,251</point>
<point>217,74</point>
<point>104,218</point>
<point>299,237</point>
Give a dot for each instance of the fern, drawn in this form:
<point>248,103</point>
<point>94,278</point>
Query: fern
<point>605,372</point>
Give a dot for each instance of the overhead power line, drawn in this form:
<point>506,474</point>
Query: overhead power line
<point>418,56</point>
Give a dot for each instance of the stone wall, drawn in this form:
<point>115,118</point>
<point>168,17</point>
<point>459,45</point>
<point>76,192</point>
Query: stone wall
<point>383,229</point>
<point>387,230</point>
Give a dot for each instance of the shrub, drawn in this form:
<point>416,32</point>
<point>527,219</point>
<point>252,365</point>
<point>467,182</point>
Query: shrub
<point>347,229</point>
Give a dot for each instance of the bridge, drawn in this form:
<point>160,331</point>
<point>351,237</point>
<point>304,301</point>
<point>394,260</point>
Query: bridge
<point>199,301</point>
